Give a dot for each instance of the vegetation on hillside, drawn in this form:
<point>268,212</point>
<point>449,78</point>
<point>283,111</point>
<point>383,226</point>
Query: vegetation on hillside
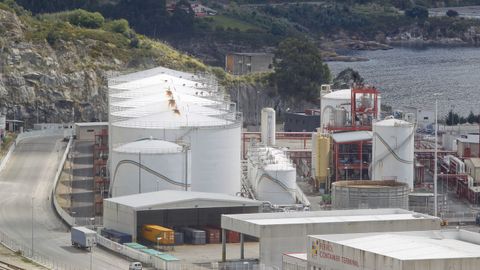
<point>113,39</point>
<point>299,70</point>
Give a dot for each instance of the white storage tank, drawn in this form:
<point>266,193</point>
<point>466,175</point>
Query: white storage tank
<point>268,126</point>
<point>149,165</point>
<point>332,102</point>
<point>214,144</point>
<point>393,151</point>
<point>278,184</point>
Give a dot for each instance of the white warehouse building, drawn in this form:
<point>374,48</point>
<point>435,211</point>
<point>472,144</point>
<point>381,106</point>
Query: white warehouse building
<point>414,250</point>
<point>163,109</point>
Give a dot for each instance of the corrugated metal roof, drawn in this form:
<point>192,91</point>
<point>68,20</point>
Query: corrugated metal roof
<point>470,138</point>
<point>353,136</point>
<point>91,124</point>
<point>288,218</point>
<point>168,197</point>
<point>424,245</point>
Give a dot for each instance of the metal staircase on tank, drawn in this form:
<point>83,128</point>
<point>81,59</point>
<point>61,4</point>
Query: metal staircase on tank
<point>246,188</point>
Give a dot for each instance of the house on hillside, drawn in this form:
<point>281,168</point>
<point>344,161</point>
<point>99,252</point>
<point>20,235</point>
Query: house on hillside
<point>245,63</point>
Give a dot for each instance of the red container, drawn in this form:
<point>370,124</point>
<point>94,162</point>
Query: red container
<point>233,237</point>
<point>212,235</point>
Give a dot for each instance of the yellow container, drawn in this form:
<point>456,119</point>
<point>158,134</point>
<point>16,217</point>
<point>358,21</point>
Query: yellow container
<point>158,234</point>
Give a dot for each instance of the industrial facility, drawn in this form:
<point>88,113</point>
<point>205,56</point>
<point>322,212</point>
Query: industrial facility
<point>176,167</point>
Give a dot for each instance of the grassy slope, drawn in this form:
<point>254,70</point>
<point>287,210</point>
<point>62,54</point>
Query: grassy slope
<point>104,42</point>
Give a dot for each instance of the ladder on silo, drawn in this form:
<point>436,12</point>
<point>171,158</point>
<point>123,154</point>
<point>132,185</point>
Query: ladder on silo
<point>246,189</point>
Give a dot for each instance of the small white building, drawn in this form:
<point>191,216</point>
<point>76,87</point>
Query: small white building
<point>86,131</point>
<point>420,250</point>
<point>472,167</point>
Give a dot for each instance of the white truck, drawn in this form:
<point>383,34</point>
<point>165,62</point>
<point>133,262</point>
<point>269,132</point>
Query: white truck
<point>83,237</point>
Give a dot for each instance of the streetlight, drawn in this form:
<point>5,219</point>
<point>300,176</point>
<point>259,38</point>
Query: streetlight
<point>32,225</point>
<point>435,175</point>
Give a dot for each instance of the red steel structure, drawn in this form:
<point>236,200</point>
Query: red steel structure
<point>351,159</point>
<point>100,176</point>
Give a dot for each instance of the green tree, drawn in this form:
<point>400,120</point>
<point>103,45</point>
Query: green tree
<point>299,69</point>
<point>83,18</point>
<point>417,12</point>
<point>471,118</point>
<point>346,78</point>
<point>452,13</point>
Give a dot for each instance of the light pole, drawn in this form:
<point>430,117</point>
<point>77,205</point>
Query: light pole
<point>32,225</point>
<point>435,174</point>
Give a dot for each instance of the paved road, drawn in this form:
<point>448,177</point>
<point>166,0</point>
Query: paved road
<point>30,172</point>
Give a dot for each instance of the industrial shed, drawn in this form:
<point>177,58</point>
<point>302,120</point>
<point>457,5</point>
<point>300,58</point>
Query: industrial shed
<point>172,208</point>
<point>421,250</point>
<point>86,131</point>
<point>286,232</point>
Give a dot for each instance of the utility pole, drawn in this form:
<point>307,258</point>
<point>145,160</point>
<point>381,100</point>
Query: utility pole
<point>435,202</point>
<point>32,225</point>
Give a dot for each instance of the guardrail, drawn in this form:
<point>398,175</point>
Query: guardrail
<point>60,211</point>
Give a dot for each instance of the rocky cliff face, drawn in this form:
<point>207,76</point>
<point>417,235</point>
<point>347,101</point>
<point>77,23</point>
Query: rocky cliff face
<point>37,79</point>
<point>251,98</point>
<point>55,83</point>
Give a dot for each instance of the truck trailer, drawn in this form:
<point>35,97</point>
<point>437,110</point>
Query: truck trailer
<point>83,237</point>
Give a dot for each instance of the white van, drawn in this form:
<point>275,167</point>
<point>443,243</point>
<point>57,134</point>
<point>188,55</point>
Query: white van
<point>135,266</point>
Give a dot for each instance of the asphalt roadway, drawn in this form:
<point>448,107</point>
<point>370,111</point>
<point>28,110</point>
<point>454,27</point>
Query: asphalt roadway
<point>29,173</point>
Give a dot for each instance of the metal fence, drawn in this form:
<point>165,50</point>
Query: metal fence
<point>26,251</point>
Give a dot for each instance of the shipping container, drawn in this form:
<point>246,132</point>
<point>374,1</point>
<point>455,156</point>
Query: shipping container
<point>179,238</point>
<point>83,237</point>
<point>194,236</point>
<point>212,235</point>
<point>158,234</point>
<point>233,237</point>
<point>116,236</point>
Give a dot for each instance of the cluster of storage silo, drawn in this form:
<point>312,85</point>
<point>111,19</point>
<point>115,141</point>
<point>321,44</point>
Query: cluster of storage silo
<point>272,175</point>
<point>168,132</point>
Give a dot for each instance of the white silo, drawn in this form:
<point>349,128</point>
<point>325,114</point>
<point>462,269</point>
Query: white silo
<point>271,175</point>
<point>277,184</point>
<point>268,126</point>
<point>214,144</point>
<point>332,101</point>
<point>393,151</point>
<point>149,165</point>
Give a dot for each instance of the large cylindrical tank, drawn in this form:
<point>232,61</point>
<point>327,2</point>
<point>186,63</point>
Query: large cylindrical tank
<point>268,126</point>
<point>339,99</point>
<point>369,194</point>
<point>277,184</point>
<point>149,165</point>
<point>393,151</point>
<point>330,102</point>
<point>214,144</point>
